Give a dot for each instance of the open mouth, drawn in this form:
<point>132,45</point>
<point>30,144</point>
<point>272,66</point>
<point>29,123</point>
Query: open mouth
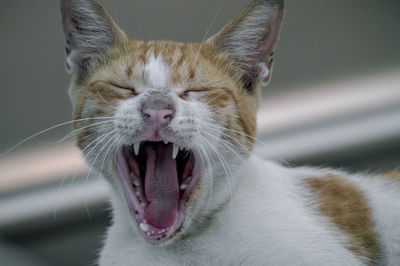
<point>157,179</point>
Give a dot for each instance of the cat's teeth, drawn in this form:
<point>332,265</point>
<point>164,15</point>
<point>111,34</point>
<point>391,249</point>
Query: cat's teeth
<point>175,151</point>
<point>136,182</point>
<point>165,142</point>
<point>144,227</point>
<point>184,185</point>
<point>136,147</point>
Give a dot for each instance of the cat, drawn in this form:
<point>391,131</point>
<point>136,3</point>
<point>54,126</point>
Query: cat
<point>172,127</point>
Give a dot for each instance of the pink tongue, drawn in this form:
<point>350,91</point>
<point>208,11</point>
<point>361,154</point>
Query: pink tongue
<point>161,186</point>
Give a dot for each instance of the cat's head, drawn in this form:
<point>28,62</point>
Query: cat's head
<point>165,122</point>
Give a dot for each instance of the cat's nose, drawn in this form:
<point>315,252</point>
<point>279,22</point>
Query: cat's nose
<point>157,117</point>
<point>158,109</point>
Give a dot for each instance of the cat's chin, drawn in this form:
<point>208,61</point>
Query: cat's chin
<point>158,179</point>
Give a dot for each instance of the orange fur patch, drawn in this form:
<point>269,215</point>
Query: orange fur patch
<point>128,71</point>
<point>393,175</point>
<point>348,209</point>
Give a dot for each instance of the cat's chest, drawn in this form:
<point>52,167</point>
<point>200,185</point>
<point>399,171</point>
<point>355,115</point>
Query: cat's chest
<point>262,224</point>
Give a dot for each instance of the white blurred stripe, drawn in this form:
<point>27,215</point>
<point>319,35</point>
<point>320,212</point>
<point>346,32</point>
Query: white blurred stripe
<point>327,101</point>
<point>370,130</point>
<point>40,166</point>
<point>36,205</point>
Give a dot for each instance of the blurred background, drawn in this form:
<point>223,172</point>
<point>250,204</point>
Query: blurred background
<point>334,100</point>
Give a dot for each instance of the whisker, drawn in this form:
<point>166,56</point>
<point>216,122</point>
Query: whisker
<point>46,130</point>
<point>225,167</point>
<point>107,152</point>
<point>216,97</point>
<point>77,169</point>
<point>224,135</point>
<point>231,130</point>
<point>97,156</point>
<point>209,28</point>
<point>224,144</point>
<point>98,140</point>
<point>274,153</point>
<point>204,153</point>
<point>72,133</point>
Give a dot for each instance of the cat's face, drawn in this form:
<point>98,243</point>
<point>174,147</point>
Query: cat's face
<point>168,113</point>
<point>166,122</point>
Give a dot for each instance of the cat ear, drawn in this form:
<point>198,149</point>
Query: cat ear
<point>250,39</point>
<point>89,32</point>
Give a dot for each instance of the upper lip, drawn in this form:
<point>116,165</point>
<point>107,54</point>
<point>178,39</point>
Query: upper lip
<point>175,150</point>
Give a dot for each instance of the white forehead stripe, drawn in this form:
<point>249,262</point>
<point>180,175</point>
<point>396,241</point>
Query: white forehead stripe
<point>157,72</point>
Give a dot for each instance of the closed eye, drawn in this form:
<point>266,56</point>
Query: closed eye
<point>187,92</point>
<point>197,90</point>
<point>131,89</point>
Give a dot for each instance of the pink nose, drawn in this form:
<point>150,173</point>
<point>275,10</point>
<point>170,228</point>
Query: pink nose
<point>158,117</point>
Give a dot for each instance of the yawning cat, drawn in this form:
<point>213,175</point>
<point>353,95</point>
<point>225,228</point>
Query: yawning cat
<point>171,127</point>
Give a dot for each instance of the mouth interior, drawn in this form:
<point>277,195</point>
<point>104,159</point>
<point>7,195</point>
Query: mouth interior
<point>156,178</point>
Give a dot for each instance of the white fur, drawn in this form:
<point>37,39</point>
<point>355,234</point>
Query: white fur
<point>264,74</point>
<point>158,72</point>
<point>267,222</point>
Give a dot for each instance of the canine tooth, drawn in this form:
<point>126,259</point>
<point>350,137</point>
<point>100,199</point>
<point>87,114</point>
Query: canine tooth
<point>175,151</point>
<point>144,227</point>
<point>165,142</point>
<point>136,182</point>
<point>183,187</point>
<point>138,193</point>
<point>136,147</point>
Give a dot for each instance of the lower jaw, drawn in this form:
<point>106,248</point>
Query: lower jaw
<point>156,235</point>
<point>159,236</point>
